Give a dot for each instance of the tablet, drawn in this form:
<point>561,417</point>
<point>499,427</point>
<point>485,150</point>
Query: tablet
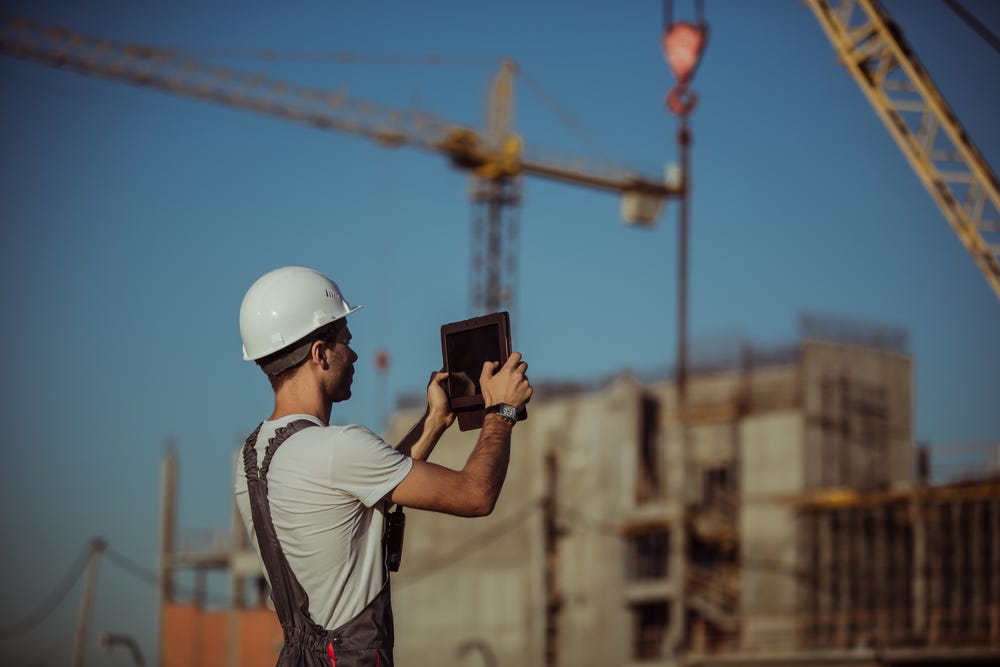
<point>465,347</point>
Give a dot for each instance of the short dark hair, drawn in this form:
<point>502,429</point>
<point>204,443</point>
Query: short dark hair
<point>281,365</point>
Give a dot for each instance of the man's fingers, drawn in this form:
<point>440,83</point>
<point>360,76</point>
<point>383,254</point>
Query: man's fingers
<point>512,364</point>
<point>513,360</point>
<point>488,368</point>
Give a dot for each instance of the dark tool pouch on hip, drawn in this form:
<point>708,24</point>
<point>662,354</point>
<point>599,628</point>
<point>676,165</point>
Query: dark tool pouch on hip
<point>364,641</point>
<point>392,541</point>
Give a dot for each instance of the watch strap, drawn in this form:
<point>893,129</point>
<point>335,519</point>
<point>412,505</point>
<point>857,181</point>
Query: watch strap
<point>505,410</point>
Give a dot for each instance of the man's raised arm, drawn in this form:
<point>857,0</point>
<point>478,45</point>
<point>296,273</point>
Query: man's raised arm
<point>473,490</point>
<point>419,442</point>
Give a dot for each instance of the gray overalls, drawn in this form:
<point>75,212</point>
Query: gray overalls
<point>364,641</point>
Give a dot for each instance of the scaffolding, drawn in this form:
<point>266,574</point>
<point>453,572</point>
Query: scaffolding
<point>908,569</point>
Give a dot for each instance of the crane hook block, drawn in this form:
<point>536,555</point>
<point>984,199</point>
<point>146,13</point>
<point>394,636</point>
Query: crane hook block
<point>681,101</point>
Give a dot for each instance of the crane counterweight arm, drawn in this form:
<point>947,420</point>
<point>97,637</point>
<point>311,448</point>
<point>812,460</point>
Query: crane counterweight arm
<point>872,49</point>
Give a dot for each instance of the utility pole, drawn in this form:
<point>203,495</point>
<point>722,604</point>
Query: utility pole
<point>168,496</point>
<point>87,603</point>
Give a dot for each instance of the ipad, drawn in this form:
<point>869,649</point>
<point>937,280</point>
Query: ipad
<point>465,346</point>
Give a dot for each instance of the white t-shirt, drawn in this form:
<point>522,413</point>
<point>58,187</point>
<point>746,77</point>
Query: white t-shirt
<point>324,487</point>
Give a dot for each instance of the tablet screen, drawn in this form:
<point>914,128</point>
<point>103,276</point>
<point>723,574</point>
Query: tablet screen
<point>466,352</point>
<point>466,346</point>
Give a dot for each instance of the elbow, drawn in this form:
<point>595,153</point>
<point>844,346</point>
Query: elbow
<point>483,508</point>
<point>481,502</point>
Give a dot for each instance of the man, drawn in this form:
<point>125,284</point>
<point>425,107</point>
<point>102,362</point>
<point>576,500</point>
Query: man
<point>314,496</point>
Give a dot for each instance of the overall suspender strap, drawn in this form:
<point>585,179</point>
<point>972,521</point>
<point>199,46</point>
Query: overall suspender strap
<point>363,641</point>
<point>290,600</point>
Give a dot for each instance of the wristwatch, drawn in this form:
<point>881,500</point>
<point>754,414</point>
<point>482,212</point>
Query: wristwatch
<point>508,412</point>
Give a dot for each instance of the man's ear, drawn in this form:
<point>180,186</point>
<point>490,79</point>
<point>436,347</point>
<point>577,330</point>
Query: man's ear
<point>317,354</point>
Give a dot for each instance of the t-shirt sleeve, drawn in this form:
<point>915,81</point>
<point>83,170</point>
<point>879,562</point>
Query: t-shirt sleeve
<point>365,466</point>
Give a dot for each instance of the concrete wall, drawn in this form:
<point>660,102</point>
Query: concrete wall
<point>850,425</point>
<point>858,404</point>
<point>482,580</point>
<point>772,471</point>
<point>469,581</point>
<point>596,484</point>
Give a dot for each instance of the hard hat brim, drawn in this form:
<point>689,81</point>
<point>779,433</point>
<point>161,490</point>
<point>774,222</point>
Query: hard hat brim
<point>247,357</point>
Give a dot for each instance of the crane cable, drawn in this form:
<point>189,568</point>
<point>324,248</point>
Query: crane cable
<point>150,577</point>
<point>49,605</point>
<point>335,57</point>
<point>562,114</point>
<point>978,26</point>
<point>668,13</point>
<point>54,599</point>
<point>548,100</point>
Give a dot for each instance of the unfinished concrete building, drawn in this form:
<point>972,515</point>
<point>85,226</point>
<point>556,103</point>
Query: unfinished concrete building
<point>778,522</point>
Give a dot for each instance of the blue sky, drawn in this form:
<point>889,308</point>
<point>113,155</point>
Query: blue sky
<point>133,222</point>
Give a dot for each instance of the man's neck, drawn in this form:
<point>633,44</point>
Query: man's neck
<point>292,399</point>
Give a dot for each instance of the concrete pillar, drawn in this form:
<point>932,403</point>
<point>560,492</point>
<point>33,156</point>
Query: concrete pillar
<point>825,579</point>
<point>959,550</point>
<point>977,568</point>
<point>882,573</point>
<point>918,577</point>
<point>995,568</point>
<point>935,570</point>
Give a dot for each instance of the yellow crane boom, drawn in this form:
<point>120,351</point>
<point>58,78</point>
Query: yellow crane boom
<point>495,157</point>
<point>958,178</point>
<point>329,110</point>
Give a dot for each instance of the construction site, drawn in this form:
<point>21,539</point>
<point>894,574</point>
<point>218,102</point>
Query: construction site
<point>740,504</point>
<point>783,519</point>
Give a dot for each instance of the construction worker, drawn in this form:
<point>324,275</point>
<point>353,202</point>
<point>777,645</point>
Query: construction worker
<point>314,496</point>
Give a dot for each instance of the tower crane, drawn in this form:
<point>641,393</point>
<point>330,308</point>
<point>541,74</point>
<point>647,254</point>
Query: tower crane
<point>866,39</point>
<point>496,157</point>
<point>873,50</point>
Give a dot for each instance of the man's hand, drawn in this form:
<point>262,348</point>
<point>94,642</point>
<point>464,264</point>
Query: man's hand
<point>438,408</point>
<point>508,385</point>
<point>421,439</point>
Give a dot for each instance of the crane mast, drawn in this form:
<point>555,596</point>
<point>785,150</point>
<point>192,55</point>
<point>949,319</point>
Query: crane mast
<point>958,178</point>
<point>496,197</point>
<point>496,158</point>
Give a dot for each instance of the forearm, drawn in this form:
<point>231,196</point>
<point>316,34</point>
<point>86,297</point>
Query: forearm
<point>472,491</point>
<point>486,467</point>
<point>419,442</point>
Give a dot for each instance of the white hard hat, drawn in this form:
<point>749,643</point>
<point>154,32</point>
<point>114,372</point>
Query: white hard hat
<point>286,305</point>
